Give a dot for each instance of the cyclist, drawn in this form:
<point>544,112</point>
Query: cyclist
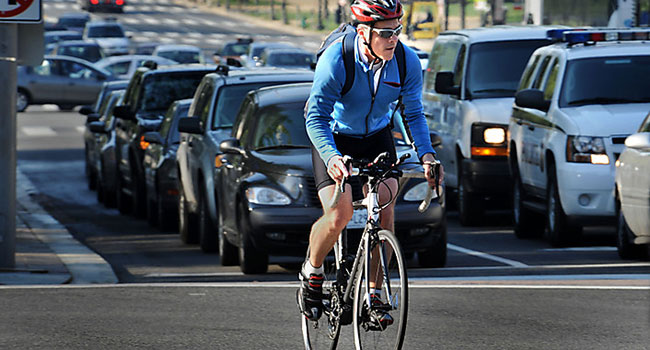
<point>358,124</point>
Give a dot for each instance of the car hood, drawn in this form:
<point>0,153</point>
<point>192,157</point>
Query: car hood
<point>290,162</point>
<point>607,120</point>
<point>112,42</point>
<point>493,110</point>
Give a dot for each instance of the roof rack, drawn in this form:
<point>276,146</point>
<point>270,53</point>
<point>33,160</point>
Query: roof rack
<point>593,35</point>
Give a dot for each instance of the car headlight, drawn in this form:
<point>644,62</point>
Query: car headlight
<point>266,196</point>
<point>489,140</point>
<point>417,192</point>
<point>586,149</point>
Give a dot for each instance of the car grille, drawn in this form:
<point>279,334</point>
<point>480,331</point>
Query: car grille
<point>618,140</point>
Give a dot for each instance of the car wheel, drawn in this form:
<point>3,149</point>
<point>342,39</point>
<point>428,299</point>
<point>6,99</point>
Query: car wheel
<point>251,260</point>
<point>66,107</point>
<point>186,223</point>
<point>527,223</point>
<point>22,100</point>
<point>166,220</point>
<point>470,208</point>
<point>138,195</point>
<point>91,177</point>
<point>152,212</point>
<point>207,233</point>
<point>436,255</point>
<point>108,194</point>
<point>100,189</point>
<point>626,249</point>
<point>558,231</point>
<point>123,201</point>
<point>228,253</point>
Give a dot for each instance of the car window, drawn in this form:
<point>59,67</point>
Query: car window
<point>119,68</point>
<point>229,100</point>
<point>292,59</point>
<point>459,70</point>
<point>280,125</point>
<point>606,80</point>
<point>528,73</point>
<point>45,69</point>
<point>495,68</point>
<point>443,59</point>
<point>89,53</point>
<point>118,97</point>
<point>167,129</point>
<point>181,56</point>
<point>541,72</point>
<point>551,80</point>
<point>645,126</point>
<point>239,129</point>
<point>105,32</point>
<point>160,90</point>
<point>235,49</point>
<point>202,107</point>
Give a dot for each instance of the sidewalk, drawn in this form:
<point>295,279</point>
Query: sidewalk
<point>46,253</point>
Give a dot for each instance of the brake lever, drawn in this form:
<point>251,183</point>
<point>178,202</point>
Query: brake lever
<point>341,188</point>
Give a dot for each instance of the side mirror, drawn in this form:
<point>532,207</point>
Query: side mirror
<point>124,112</point>
<point>436,140</point>
<point>233,62</point>
<point>98,127</point>
<point>92,117</point>
<point>532,98</point>
<point>85,110</point>
<point>231,146</point>
<point>640,141</point>
<point>153,137</point>
<point>190,125</point>
<point>445,84</point>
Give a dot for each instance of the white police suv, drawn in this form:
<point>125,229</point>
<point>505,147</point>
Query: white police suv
<point>577,102</point>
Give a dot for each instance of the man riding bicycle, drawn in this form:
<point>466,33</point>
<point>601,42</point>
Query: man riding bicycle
<point>358,124</point>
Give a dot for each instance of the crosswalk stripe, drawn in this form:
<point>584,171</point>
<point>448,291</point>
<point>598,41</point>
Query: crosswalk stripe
<point>38,131</point>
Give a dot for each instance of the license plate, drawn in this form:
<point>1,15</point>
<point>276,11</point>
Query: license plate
<point>359,219</point>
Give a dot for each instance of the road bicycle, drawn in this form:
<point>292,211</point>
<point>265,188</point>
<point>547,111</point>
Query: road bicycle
<point>378,258</point>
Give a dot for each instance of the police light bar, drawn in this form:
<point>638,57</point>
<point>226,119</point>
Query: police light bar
<point>573,37</point>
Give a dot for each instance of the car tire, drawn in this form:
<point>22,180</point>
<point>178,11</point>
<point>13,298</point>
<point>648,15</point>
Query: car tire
<point>99,188</point>
<point>470,208</point>
<point>186,222</point>
<point>207,233</point>
<point>108,194</point>
<point>91,177</point>
<point>66,107</point>
<point>251,259</point>
<point>436,255</point>
<point>166,219</point>
<point>558,232</point>
<point>152,212</point>
<point>626,249</point>
<point>526,223</point>
<point>228,254</point>
<point>123,201</point>
<point>138,195</point>
<point>22,100</point>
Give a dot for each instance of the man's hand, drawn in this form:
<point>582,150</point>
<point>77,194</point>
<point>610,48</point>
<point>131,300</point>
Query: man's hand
<point>427,161</point>
<point>336,169</point>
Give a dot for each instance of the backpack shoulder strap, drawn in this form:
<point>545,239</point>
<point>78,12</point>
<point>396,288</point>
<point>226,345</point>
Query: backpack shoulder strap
<point>348,60</point>
<point>400,55</point>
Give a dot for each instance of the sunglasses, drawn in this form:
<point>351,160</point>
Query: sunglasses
<point>386,33</point>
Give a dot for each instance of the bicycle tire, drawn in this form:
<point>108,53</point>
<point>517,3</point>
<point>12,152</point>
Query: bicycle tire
<point>324,333</point>
<point>392,337</point>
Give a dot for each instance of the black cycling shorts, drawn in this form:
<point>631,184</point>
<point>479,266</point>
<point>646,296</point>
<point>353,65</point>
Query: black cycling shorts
<point>357,148</point>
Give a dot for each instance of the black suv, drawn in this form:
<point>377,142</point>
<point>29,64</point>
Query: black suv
<point>150,93</point>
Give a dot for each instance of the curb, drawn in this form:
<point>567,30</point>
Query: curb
<point>84,265</point>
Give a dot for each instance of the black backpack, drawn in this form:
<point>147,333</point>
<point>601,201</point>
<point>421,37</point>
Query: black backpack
<point>346,33</point>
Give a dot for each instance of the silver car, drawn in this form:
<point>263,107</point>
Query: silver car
<point>61,80</point>
<point>109,35</point>
<point>124,66</point>
<point>633,195</point>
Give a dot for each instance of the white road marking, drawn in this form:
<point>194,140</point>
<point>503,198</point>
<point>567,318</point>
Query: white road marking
<point>207,274</point>
<point>81,129</point>
<point>486,256</point>
<point>38,131</point>
<point>580,249</point>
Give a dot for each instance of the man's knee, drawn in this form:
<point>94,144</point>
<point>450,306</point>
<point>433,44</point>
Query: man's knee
<point>338,218</point>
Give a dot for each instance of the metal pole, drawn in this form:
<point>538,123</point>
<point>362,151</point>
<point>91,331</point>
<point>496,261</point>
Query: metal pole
<point>8,53</point>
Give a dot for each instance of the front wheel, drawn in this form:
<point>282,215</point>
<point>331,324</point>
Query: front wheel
<point>387,271</point>
<point>626,249</point>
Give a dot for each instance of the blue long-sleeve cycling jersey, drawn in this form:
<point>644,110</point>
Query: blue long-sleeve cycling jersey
<point>361,112</point>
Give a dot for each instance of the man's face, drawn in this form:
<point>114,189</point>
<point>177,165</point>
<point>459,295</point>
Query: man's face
<point>383,47</point>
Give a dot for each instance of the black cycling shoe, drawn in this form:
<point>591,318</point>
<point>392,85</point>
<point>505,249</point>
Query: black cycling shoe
<point>379,316</point>
<point>310,296</point>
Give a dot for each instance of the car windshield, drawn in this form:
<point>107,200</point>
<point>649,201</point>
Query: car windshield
<point>235,49</point>
<point>169,126</point>
<point>89,53</point>
<point>229,100</point>
<point>290,59</point>
<point>61,37</point>
<point>72,22</point>
<point>160,90</point>
<point>606,80</point>
<point>105,32</point>
<point>281,126</point>
<point>495,67</point>
<point>181,56</point>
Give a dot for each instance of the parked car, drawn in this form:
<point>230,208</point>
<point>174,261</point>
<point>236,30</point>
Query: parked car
<point>180,53</point>
<point>255,51</point>
<point>75,21</point>
<point>160,173</point>
<point>61,80</point>
<point>52,37</point>
<point>232,51</point>
<point>85,50</point>
<point>97,113</point>
<point>124,66</point>
<point>150,92</point>
<point>468,90</point>
<point>102,5</point>
<point>287,58</point>
<point>633,195</point>
<point>213,110</point>
<point>109,35</point>
<point>106,89</point>
<point>145,48</point>
<point>102,161</point>
<point>577,102</point>
<point>267,195</point>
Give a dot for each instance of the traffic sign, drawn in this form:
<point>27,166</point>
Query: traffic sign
<point>20,11</point>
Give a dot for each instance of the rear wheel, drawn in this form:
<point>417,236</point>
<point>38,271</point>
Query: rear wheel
<point>558,231</point>
<point>470,208</point>
<point>251,259</point>
<point>228,253</point>
<point>392,271</point>
<point>123,201</point>
<point>207,233</point>
<point>527,223</point>
<point>186,222</point>
<point>22,100</point>
<point>166,218</point>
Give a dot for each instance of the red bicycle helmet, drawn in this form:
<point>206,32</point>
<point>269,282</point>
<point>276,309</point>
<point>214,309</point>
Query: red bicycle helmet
<point>370,11</point>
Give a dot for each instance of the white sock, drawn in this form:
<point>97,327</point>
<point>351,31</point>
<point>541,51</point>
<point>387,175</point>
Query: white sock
<point>308,269</point>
